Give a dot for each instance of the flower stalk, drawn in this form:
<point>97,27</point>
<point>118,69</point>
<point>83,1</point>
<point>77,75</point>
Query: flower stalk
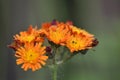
<point>55,71</point>
<point>55,65</point>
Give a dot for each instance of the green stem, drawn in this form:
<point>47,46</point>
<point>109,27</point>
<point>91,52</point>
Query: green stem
<point>54,64</point>
<point>55,72</point>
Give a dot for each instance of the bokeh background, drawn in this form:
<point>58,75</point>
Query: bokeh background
<point>100,17</point>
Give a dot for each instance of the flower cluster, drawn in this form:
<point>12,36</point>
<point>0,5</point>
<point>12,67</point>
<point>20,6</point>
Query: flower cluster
<point>66,34</point>
<point>31,53</point>
<point>29,49</point>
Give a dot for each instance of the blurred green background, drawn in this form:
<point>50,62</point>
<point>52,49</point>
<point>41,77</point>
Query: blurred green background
<point>99,17</point>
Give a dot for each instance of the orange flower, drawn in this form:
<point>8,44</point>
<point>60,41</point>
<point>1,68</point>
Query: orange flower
<point>30,35</point>
<point>57,32</point>
<point>79,40</point>
<point>31,56</point>
<point>46,26</point>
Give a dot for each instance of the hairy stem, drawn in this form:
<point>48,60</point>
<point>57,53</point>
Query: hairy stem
<point>55,72</point>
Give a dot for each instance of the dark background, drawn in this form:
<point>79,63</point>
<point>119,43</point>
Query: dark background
<point>99,17</point>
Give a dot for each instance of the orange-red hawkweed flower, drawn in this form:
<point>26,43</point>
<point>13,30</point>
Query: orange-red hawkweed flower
<point>31,56</point>
<point>57,32</point>
<point>32,34</point>
<point>79,40</point>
